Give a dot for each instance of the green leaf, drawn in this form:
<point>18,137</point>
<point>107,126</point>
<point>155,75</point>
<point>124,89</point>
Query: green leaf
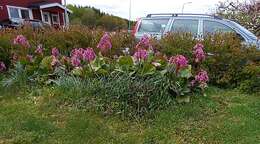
<point>126,61</point>
<point>77,71</point>
<point>46,63</point>
<point>186,73</point>
<point>148,69</point>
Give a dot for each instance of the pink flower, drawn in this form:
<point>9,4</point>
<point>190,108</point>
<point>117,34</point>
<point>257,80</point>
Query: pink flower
<point>199,46</point>
<point>144,43</point>
<point>198,53</point>
<point>202,77</point>
<point>2,66</point>
<point>180,61</point>
<point>21,40</point>
<point>105,43</point>
<point>75,61</point>
<point>77,53</point>
<point>55,52</point>
<point>141,54</point>
<point>54,61</point>
<point>29,58</point>
<point>89,55</point>
<point>39,50</point>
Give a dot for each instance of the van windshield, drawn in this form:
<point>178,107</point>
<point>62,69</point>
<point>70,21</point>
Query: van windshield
<point>153,25</point>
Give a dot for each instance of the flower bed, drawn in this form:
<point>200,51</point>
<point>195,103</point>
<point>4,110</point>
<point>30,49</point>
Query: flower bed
<point>148,80</point>
<point>122,76</point>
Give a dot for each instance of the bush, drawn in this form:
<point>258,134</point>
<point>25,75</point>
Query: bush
<point>177,43</point>
<point>250,78</point>
<point>227,57</point>
<point>230,57</point>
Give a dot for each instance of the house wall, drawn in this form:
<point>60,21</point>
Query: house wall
<point>19,3</point>
<point>56,10</point>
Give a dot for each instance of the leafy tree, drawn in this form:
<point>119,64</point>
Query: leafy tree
<point>247,13</point>
<point>92,17</point>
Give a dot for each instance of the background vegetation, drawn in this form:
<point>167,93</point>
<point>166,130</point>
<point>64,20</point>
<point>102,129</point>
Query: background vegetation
<point>245,13</point>
<point>94,18</point>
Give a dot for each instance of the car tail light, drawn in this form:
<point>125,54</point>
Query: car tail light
<point>136,26</point>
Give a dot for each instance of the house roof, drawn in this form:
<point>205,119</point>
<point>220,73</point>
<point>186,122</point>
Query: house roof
<point>43,5</point>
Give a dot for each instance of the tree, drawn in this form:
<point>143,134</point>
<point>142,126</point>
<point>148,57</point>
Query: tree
<point>246,13</point>
<point>92,17</point>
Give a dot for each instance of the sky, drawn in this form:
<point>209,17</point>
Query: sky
<point>140,8</point>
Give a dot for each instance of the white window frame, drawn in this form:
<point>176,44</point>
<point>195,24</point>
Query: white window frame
<point>58,18</point>
<point>49,17</point>
<point>19,12</point>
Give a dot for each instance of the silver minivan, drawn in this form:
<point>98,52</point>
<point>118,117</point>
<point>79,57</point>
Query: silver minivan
<point>156,25</point>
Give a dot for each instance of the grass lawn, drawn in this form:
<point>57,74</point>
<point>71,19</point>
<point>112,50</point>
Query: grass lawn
<point>223,116</point>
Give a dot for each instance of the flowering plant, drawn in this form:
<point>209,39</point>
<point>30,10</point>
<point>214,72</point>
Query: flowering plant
<point>105,43</point>
<point>21,40</point>
<point>144,43</point>
<point>141,55</point>
<point>179,61</point>
<point>198,53</point>
<point>2,66</point>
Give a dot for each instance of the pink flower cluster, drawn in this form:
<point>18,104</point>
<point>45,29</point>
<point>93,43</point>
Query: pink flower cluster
<point>180,61</point>
<point>144,43</point>
<point>198,53</point>
<point>2,66</point>
<point>39,50</point>
<point>78,55</point>
<point>55,52</point>
<point>105,43</point>
<point>55,61</point>
<point>21,40</point>
<point>141,54</point>
<point>202,78</point>
<point>29,58</point>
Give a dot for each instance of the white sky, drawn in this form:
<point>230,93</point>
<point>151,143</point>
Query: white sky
<point>141,8</point>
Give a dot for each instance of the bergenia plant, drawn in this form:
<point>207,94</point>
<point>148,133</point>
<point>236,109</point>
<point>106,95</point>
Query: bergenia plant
<point>21,40</point>
<point>29,58</point>
<point>105,43</point>
<point>55,52</point>
<point>144,43</point>
<point>55,61</point>
<point>89,55</point>
<point>2,66</point>
<point>201,78</point>
<point>78,56</point>
<point>141,55</point>
<point>198,53</point>
<point>39,50</point>
<point>179,61</point>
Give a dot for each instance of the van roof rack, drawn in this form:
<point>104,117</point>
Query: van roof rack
<point>182,14</point>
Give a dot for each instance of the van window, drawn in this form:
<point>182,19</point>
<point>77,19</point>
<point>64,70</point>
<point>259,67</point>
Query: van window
<point>214,27</point>
<point>153,25</point>
<point>185,25</point>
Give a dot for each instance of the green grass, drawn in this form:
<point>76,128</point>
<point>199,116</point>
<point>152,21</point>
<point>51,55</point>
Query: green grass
<point>223,116</point>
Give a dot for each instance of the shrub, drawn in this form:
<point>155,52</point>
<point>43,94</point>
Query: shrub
<point>177,43</point>
<point>250,78</point>
<point>229,59</point>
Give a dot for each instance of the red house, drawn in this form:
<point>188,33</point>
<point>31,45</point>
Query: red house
<point>48,11</point>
